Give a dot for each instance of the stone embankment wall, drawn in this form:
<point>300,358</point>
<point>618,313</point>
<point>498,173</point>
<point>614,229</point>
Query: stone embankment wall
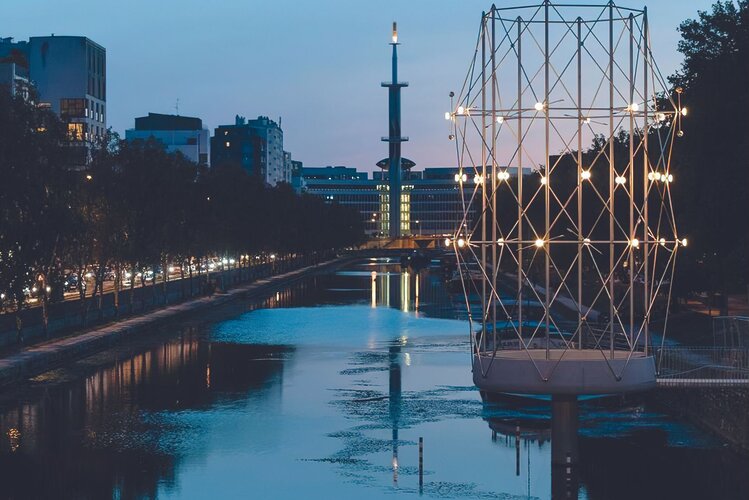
<point>722,411</point>
<point>34,360</point>
<point>71,316</point>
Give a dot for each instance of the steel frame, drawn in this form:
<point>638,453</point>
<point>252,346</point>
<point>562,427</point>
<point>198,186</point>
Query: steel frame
<point>617,215</point>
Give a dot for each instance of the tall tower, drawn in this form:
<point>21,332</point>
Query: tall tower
<point>395,139</point>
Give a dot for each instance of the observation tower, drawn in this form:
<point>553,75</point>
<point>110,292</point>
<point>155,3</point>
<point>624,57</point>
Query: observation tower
<point>394,163</point>
<point>564,127</point>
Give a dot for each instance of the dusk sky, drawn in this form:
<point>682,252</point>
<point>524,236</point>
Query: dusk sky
<point>316,64</point>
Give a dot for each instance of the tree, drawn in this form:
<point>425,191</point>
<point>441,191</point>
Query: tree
<point>34,198</point>
<point>710,164</point>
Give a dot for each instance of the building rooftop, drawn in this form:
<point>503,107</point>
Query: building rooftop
<point>156,121</point>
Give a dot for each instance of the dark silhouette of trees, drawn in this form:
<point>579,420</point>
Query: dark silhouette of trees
<point>711,167</point>
<point>136,209</point>
<point>34,199</point>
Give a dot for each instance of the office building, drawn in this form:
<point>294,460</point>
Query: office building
<point>255,145</point>
<point>432,201</point>
<point>182,134</point>
<point>69,75</point>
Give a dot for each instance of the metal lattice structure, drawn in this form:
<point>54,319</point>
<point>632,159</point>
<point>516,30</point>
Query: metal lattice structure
<point>565,127</point>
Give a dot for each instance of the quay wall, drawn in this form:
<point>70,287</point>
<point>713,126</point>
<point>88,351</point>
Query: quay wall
<point>723,411</point>
<point>31,361</point>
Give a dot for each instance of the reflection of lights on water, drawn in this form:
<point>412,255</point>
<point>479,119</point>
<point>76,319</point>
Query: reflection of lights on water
<point>407,359</point>
<point>208,376</point>
<point>403,340</point>
<point>405,292</point>
<point>14,435</point>
<point>278,296</point>
<point>416,302</point>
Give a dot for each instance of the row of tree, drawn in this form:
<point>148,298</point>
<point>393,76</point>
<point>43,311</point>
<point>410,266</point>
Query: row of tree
<point>136,207</point>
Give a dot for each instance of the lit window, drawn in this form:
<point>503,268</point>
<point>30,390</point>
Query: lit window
<point>75,131</point>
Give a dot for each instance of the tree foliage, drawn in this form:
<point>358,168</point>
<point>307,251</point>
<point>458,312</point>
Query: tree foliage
<point>712,192</point>
<point>137,206</point>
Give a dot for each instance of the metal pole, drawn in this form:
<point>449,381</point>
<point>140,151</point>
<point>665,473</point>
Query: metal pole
<point>645,184</point>
<point>521,204</point>
<point>547,186</point>
<point>495,217</point>
<point>579,186</point>
<point>611,176</point>
<point>631,181</point>
<point>482,186</point>
<point>421,463</point>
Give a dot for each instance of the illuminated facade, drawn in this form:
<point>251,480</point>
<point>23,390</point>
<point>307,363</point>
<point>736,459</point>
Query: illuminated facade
<point>431,200</point>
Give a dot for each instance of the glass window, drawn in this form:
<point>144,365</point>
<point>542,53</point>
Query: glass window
<point>75,131</point>
<point>73,108</point>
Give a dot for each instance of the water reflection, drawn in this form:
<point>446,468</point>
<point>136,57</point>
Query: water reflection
<point>333,399</point>
<point>59,437</point>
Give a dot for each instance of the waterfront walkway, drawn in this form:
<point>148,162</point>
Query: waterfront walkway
<point>40,358</point>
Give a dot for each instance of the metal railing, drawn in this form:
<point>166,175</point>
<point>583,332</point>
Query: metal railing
<point>702,366</point>
<point>731,331</point>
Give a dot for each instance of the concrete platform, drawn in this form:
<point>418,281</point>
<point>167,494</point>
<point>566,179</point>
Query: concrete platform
<point>565,372</point>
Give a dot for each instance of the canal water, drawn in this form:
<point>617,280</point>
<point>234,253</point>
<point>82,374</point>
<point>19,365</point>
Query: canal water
<point>323,390</point>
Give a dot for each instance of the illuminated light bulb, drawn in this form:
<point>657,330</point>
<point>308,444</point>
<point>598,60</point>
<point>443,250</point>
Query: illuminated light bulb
<point>684,242</point>
<point>585,175</point>
<point>48,289</point>
<point>539,243</point>
<point>543,180</point>
<point>447,115</point>
<point>652,176</point>
<point>464,178</point>
<point>663,242</point>
<point>447,242</point>
<point>461,242</point>
<point>620,179</point>
<point>461,110</point>
<point>34,289</point>
<point>634,107</point>
<point>662,178</point>
<point>457,177</point>
<point>586,241</point>
<point>503,175</point>
<point>501,241</point>
<point>539,106</point>
<point>478,179</point>
<point>680,133</point>
<point>670,178</point>
<point>2,296</point>
<point>500,119</point>
<point>586,119</point>
<point>661,117</point>
<point>635,243</point>
<point>684,111</point>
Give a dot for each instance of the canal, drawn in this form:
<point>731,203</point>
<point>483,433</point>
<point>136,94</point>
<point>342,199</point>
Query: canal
<point>323,390</point>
